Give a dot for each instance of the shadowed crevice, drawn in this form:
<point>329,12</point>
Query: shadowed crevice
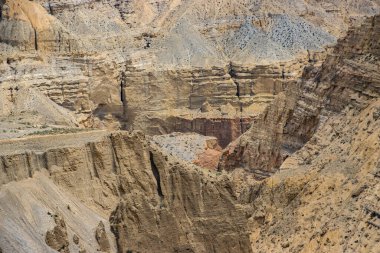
<point>156,174</point>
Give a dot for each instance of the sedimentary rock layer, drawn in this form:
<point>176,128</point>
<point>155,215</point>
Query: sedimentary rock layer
<point>315,149</point>
<point>101,67</point>
<point>149,197</point>
<point>346,82</point>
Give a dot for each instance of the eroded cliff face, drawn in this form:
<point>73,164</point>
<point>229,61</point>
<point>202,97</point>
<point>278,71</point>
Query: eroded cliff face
<point>303,178</point>
<point>324,196</point>
<point>235,94</point>
<point>64,56</point>
<point>112,63</point>
<point>148,197</point>
<point>345,84</point>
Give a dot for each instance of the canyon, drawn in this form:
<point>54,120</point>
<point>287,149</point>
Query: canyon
<point>189,126</point>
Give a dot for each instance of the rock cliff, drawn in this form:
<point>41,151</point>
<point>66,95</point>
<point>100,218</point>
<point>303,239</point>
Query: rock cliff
<point>148,196</point>
<point>304,96</point>
<point>111,62</point>
<point>323,148</point>
<point>345,84</point>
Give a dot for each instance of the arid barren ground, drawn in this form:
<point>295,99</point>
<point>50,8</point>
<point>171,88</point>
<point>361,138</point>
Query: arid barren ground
<point>189,126</point>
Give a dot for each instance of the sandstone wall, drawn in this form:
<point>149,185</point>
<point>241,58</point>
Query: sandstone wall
<point>246,89</point>
<point>324,198</point>
<point>89,47</point>
<point>149,197</point>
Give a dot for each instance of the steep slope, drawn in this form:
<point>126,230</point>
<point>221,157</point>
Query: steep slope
<point>17,101</point>
<point>346,83</point>
<point>325,196</point>
<point>34,206</point>
<point>149,197</point>
<point>280,40</point>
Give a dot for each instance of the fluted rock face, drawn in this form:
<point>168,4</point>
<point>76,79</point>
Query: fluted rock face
<point>218,85</point>
<point>151,197</point>
<point>313,143</point>
<point>248,89</point>
<point>159,199</point>
<point>188,89</point>
<point>325,197</point>
<point>156,202</point>
<point>185,216</point>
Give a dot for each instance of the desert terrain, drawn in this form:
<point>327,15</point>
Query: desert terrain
<point>189,126</point>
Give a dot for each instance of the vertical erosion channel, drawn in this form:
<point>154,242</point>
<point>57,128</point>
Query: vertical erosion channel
<point>156,175</point>
<point>232,73</point>
<point>35,40</point>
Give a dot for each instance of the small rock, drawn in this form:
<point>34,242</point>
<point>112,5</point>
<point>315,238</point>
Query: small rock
<point>82,250</point>
<point>75,239</point>
<point>356,193</point>
<point>228,109</point>
<point>376,114</point>
<point>57,237</point>
<point>206,107</point>
<point>101,237</point>
<point>285,245</point>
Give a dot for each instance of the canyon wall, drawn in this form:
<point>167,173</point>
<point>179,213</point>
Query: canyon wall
<point>322,142</point>
<point>303,178</point>
<point>345,83</point>
<point>112,63</point>
<point>149,197</point>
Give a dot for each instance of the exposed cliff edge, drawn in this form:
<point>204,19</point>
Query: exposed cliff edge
<point>149,197</point>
